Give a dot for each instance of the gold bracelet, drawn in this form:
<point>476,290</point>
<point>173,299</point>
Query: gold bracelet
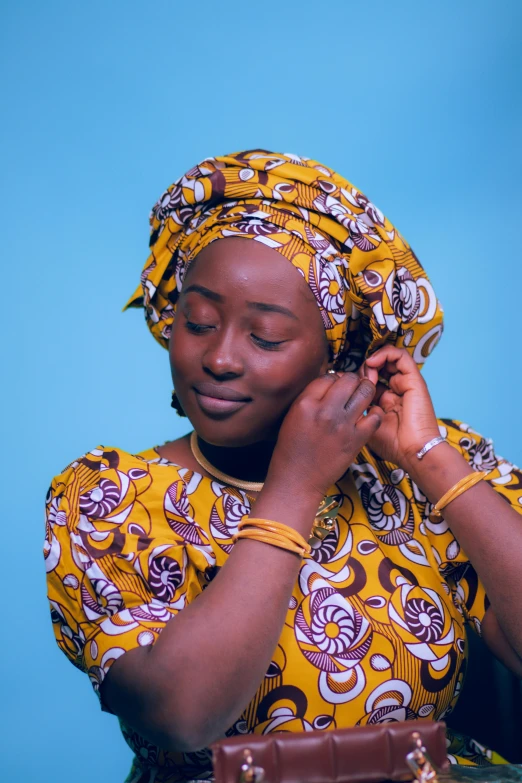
<point>276,527</point>
<point>273,539</point>
<point>274,531</point>
<point>458,489</point>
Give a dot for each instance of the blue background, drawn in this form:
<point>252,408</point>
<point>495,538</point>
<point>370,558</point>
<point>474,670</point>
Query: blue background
<point>105,104</point>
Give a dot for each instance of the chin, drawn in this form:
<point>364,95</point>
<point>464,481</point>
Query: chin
<point>229,440</point>
<point>226,433</point>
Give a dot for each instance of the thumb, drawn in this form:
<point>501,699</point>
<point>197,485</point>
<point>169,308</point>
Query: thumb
<point>370,372</point>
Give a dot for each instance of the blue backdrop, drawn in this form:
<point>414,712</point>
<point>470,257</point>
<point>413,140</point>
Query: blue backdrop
<point>105,103</point>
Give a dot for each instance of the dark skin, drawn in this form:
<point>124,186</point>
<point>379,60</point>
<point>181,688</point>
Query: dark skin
<point>297,429</point>
<point>268,356</point>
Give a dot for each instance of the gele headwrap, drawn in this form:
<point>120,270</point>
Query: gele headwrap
<point>368,283</point>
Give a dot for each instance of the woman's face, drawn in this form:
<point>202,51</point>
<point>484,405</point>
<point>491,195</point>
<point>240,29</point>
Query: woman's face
<point>246,340</point>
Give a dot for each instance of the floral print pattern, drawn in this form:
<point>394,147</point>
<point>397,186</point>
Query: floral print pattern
<point>368,283</point>
<point>375,625</point>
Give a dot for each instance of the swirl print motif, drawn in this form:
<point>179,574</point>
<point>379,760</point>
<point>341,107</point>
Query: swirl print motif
<point>375,625</point>
<point>368,283</point>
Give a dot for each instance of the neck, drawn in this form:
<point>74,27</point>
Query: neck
<point>248,463</point>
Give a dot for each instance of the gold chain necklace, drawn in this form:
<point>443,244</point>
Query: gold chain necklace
<point>326,513</point>
<point>248,486</point>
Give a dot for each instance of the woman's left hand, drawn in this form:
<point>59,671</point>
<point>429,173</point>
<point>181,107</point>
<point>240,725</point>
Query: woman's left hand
<point>409,420</point>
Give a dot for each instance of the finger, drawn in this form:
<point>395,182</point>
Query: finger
<point>369,372</point>
<point>390,369</point>
<point>399,359</point>
<point>317,388</point>
<point>389,401</point>
<point>400,384</point>
<point>368,425</point>
<point>339,393</point>
<point>378,410</point>
<point>380,389</point>
<point>360,399</point>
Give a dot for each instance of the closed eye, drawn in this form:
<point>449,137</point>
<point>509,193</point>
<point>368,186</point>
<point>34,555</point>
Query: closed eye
<point>197,328</point>
<point>267,345</point>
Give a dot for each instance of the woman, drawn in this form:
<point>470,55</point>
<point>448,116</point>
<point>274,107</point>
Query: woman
<point>312,424</point>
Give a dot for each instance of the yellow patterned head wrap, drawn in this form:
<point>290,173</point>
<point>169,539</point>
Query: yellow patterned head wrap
<point>368,283</point>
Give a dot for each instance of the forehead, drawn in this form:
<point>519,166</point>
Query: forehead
<point>238,266</point>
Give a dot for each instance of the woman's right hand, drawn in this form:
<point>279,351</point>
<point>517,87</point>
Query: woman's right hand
<point>323,432</point>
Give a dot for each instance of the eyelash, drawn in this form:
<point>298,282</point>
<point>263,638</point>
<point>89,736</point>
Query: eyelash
<point>267,345</point>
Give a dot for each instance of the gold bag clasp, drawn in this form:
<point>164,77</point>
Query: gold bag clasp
<point>420,763</point>
<point>250,773</point>
<point>325,518</point>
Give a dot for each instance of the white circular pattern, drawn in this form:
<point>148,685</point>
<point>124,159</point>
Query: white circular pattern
<point>426,344</point>
<point>452,550</point>
<point>332,629</point>
<point>408,337</point>
<point>246,174</point>
<point>424,619</point>
<point>145,638</point>
<point>331,291</point>
<point>380,662</point>
<point>376,602</point>
<point>199,191</point>
<point>397,475</point>
<point>372,278</point>
<point>366,547</point>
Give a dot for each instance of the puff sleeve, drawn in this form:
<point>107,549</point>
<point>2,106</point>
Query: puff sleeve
<point>123,555</point>
<point>463,582</point>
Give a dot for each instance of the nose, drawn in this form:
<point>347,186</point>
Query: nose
<point>222,358</point>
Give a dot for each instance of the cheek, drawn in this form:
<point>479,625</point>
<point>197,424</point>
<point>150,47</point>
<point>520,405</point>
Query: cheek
<point>283,377</point>
<point>277,376</point>
<point>181,356</point>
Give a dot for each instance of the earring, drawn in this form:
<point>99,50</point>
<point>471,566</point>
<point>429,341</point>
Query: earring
<point>175,403</point>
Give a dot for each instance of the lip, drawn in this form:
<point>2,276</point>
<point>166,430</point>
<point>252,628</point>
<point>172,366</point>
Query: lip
<point>217,392</point>
<point>219,401</point>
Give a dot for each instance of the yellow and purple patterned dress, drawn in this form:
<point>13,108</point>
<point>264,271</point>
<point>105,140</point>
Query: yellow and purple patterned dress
<point>375,629</point>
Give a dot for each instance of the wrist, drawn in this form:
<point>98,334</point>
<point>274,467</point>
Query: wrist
<point>438,469</point>
<point>411,462</point>
<point>295,505</point>
<point>303,495</point>
<point>290,480</point>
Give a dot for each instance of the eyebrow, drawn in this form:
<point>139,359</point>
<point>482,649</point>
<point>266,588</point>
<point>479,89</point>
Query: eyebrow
<point>264,307</point>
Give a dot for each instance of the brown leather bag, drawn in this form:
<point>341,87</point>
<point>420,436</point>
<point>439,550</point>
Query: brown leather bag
<point>363,754</point>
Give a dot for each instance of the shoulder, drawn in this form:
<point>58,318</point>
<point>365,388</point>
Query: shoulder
<point>504,476</point>
<point>470,442</point>
<point>105,481</point>
<point>91,465</point>
<point>477,449</point>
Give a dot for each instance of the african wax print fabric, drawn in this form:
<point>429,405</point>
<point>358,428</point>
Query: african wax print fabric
<point>375,625</point>
<point>367,281</point>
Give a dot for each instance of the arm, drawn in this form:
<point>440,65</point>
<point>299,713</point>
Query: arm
<point>487,528</point>
<point>195,681</point>
<point>209,660</point>
<point>490,532</point>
